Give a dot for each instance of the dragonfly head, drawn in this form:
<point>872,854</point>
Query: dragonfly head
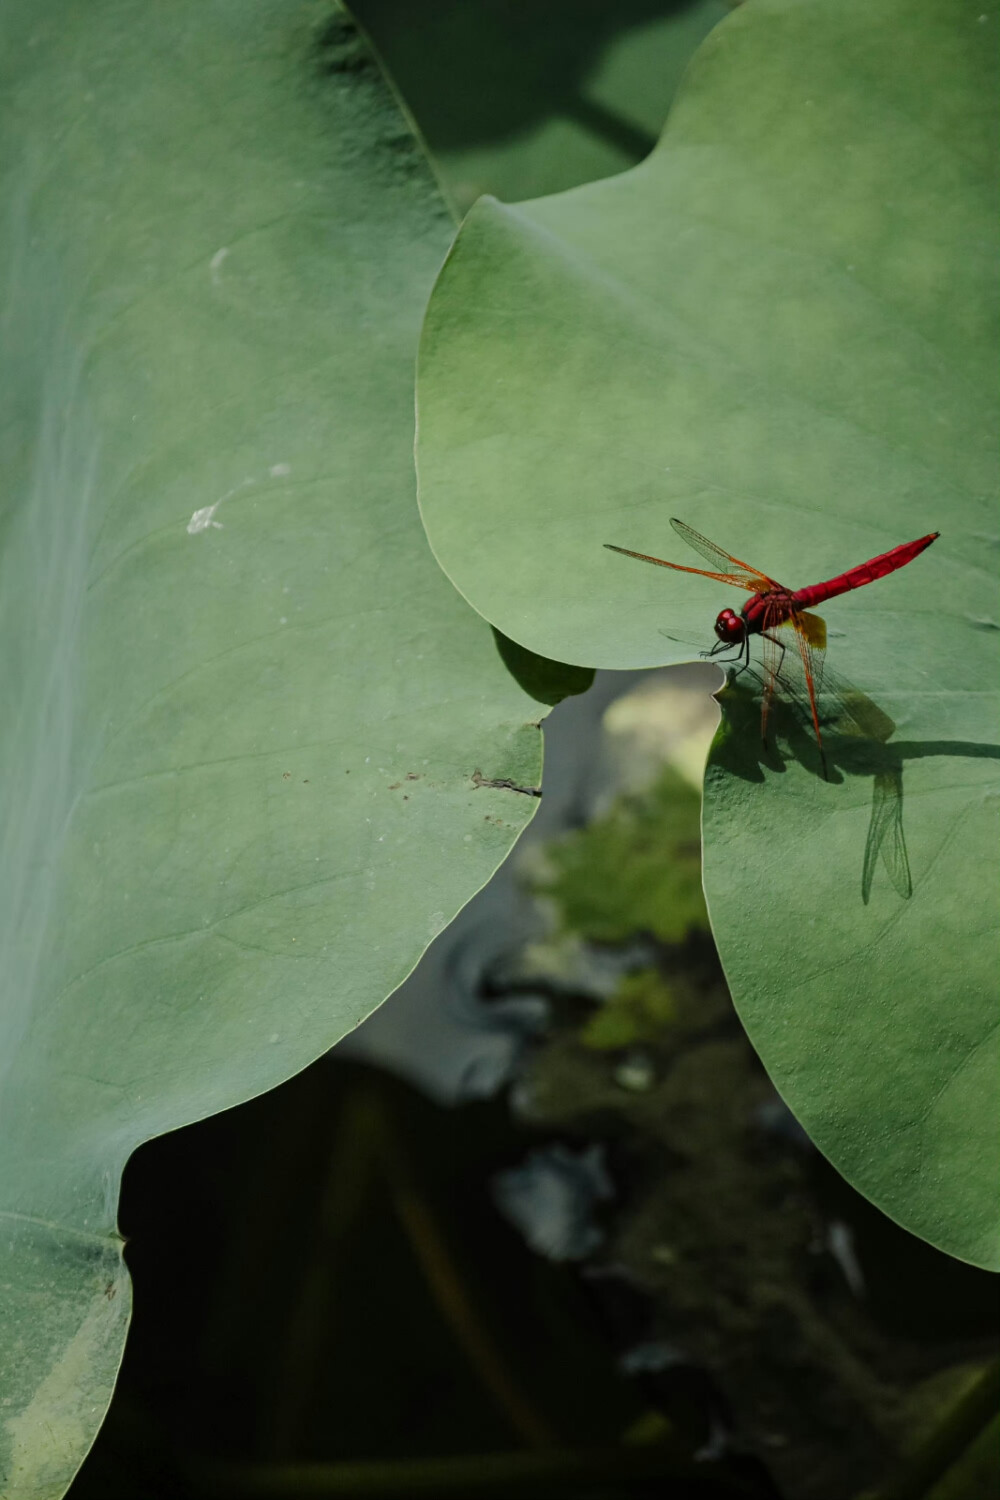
<point>731,628</point>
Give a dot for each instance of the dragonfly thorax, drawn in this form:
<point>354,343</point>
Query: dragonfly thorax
<point>731,628</point>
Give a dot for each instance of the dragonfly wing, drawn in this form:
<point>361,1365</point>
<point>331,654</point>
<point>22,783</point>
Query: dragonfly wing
<point>813,628</point>
<point>854,713</point>
<point>806,636</point>
<point>684,640</point>
<point>811,632</point>
<point>748,577</point>
<point>737,579</point>
<point>844,707</point>
<point>810,639</point>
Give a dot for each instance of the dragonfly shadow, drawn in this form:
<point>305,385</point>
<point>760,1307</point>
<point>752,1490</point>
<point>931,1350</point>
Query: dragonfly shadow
<point>857,741</point>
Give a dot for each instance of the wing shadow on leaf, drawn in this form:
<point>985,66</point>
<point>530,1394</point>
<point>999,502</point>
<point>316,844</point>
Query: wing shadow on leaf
<point>857,737</point>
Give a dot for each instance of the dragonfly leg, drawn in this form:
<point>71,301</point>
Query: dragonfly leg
<point>715,652</point>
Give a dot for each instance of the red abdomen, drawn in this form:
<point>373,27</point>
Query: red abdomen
<point>876,567</point>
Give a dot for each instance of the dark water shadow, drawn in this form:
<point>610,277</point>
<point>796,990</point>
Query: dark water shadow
<point>857,741</point>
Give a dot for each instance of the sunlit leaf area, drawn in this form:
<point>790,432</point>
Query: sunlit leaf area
<point>454,1039</point>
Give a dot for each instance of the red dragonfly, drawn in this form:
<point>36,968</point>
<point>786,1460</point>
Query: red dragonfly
<point>772,607</point>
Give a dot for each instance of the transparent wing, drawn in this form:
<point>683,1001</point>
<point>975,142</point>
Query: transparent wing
<point>810,637</point>
<point>683,639</point>
<point>739,580</point>
<point>809,633</point>
<point>734,570</point>
<point>852,712</point>
<point>772,655</point>
<point>805,635</point>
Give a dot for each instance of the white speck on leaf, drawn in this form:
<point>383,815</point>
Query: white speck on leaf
<point>280,471</point>
<point>215,264</point>
<point>203,519</point>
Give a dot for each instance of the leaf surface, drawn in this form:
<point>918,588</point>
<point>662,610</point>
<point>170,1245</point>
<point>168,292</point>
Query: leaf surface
<point>781,328</point>
<point>243,710</point>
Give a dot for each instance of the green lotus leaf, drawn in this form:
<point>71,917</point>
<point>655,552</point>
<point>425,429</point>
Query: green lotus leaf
<point>781,328</point>
<point>249,729</point>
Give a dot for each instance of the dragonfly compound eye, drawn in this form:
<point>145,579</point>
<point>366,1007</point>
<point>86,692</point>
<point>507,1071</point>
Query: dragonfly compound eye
<point>729,627</point>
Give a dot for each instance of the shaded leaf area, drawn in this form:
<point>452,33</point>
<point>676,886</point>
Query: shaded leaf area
<point>242,708</point>
<point>781,330</point>
<point>546,681</point>
<point>520,100</point>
